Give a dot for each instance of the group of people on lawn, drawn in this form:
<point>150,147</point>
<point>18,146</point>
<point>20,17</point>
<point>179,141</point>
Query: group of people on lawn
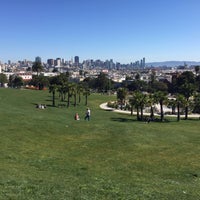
<point>87,115</point>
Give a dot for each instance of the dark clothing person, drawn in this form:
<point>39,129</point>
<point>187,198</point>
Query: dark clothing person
<point>87,114</point>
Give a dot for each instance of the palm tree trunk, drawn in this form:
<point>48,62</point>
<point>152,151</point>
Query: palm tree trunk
<point>186,112</point>
<point>74,100</point>
<point>53,99</point>
<point>68,100</point>
<point>161,112</point>
<point>178,112</point>
<point>79,98</point>
<point>141,114</point>
<point>86,99</point>
<point>186,109</point>
<point>131,110</point>
<point>152,113</point>
<point>138,115</point>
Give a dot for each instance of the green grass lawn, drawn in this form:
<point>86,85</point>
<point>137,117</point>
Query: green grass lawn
<point>46,154</point>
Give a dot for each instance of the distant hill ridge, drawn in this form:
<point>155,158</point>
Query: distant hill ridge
<point>172,63</point>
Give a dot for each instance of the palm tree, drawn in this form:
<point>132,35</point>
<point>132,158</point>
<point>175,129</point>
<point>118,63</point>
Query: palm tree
<point>52,89</point>
<point>121,95</point>
<point>197,103</point>
<point>150,102</point>
<point>61,90</point>
<point>69,93</point>
<point>138,100</point>
<point>3,79</point>
<point>187,89</point>
<point>143,102</point>
<point>180,100</point>
<point>79,91</point>
<point>74,92</point>
<point>172,103</point>
<point>37,67</point>
<point>197,69</point>
<point>86,93</point>
<point>161,98</point>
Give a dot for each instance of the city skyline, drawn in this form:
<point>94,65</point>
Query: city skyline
<point>124,31</point>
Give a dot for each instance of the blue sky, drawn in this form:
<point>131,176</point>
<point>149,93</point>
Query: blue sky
<point>122,30</point>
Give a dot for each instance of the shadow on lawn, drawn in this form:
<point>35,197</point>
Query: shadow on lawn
<point>145,120</point>
<point>47,105</point>
<point>121,119</point>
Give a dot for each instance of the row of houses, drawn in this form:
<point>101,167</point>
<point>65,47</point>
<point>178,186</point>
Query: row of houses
<point>115,75</point>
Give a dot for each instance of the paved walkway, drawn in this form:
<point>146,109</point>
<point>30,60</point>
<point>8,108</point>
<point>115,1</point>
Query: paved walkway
<point>105,107</point>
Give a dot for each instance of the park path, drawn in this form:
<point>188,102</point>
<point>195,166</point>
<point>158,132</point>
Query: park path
<point>105,107</point>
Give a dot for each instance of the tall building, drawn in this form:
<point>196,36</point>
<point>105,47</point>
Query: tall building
<point>143,62</point>
<point>38,59</point>
<point>76,60</point>
<point>50,62</point>
<point>58,62</point>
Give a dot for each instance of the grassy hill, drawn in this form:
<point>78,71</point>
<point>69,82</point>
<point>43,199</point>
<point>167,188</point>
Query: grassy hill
<point>46,154</point>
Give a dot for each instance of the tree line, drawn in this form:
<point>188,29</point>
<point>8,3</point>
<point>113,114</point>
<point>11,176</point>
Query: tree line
<point>184,90</point>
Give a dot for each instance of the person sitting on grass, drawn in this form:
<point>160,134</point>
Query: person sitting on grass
<point>76,117</point>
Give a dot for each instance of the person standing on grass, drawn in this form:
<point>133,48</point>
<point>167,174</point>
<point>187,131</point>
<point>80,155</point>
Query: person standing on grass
<point>87,114</point>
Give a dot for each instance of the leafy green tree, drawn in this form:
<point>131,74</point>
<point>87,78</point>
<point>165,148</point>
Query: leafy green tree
<point>40,81</point>
<point>90,82</point>
<point>15,81</point>
<point>197,103</point>
<point>156,86</point>
<point>185,77</point>
<point>197,81</point>
<point>137,85</point>
<point>3,79</point>
<point>197,69</point>
<point>137,77</point>
<point>102,82</point>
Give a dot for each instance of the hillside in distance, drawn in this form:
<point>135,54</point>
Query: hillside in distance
<point>172,63</point>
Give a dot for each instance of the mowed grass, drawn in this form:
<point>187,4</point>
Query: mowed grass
<point>46,154</point>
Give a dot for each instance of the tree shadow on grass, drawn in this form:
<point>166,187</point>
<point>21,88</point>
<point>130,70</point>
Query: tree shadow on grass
<point>145,120</point>
<point>121,119</point>
<point>48,105</point>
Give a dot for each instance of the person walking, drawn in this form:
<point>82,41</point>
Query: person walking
<point>87,114</point>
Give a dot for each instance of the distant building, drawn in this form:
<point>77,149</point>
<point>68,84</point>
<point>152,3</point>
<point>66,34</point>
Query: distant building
<point>58,62</point>
<point>76,60</point>
<point>143,62</point>
<point>50,62</point>
<point>38,59</point>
